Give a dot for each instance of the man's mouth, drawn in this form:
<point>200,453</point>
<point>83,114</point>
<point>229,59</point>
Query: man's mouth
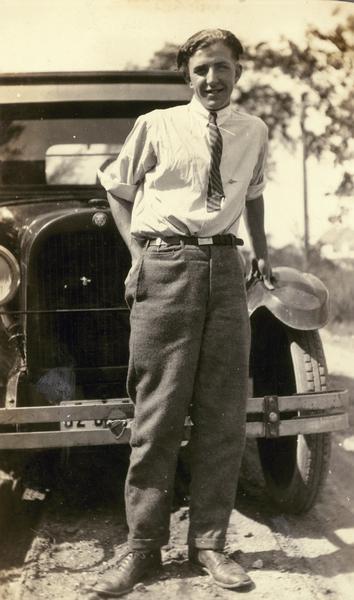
<point>213,92</point>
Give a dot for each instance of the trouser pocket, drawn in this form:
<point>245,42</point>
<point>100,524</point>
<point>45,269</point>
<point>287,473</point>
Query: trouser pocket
<point>132,280</point>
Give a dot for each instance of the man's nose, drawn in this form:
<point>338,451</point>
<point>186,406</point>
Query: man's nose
<point>211,75</point>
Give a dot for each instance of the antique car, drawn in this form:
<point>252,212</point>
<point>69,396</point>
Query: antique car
<point>64,323</point>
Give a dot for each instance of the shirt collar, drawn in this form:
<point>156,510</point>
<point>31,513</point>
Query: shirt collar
<point>199,109</point>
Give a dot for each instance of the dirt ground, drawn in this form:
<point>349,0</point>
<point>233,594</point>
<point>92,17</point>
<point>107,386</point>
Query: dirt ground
<point>54,548</point>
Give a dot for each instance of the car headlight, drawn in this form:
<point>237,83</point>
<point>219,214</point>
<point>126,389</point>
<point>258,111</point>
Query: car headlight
<point>9,275</point>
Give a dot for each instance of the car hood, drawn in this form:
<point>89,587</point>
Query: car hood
<point>21,212</point>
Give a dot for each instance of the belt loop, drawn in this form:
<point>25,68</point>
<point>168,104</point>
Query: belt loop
<point>147,244</point>
<point>182,243</point>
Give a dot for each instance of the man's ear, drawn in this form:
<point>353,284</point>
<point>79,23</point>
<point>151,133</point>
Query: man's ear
<point>238,72</point>
<point>186,77</point>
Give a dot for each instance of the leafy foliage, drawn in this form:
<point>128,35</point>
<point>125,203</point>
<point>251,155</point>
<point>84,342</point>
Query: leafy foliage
<point>275,108</point>
<point>346,187</point>
<point>165,58</point>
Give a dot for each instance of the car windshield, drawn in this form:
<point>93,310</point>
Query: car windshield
<point>59,151</point>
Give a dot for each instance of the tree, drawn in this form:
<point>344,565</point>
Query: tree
<point>320,74</point>
<point>323,70</point>
<point>165,58</point>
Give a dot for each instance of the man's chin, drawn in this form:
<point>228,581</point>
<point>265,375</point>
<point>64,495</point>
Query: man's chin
<point>214,103</point>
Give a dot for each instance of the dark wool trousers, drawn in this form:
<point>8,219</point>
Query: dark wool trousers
<point>189,350</point>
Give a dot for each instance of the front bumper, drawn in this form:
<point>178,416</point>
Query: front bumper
<point>105,422</point>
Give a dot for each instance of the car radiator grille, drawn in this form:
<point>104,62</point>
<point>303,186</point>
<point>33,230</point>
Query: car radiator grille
<point>77,316</point>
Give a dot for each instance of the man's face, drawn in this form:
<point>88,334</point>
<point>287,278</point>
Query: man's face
<point>213,72</point>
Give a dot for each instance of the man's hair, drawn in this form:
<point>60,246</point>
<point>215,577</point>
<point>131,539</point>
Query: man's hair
<point>205,38</point>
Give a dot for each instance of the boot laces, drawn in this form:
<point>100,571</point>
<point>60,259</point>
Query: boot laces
<point>129,556</point>
<point>222,558</point>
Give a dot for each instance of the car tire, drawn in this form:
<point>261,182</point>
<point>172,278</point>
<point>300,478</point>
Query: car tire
<point>295,467</point>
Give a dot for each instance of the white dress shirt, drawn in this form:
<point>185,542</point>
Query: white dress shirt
<point>164,167</point>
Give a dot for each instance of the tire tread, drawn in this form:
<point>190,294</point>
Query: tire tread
<point>300,492</point>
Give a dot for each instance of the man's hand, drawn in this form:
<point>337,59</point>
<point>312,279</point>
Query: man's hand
<point>265,271</point>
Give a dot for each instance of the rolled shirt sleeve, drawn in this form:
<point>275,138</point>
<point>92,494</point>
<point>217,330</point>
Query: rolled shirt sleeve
<point>258,181</point>
<point>123,177</point>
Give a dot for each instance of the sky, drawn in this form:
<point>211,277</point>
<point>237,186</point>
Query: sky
<point>55,35</point>
<point>108,34</point>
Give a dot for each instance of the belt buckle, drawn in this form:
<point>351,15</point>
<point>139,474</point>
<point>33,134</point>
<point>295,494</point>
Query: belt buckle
<point>205,241</point>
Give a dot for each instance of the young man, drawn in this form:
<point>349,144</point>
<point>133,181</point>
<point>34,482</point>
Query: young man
<point>177,192</point>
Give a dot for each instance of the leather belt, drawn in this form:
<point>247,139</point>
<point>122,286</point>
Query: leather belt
<point>216,240</point>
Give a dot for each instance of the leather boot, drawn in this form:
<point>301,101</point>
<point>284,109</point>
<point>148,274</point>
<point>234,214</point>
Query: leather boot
<point>132,568</point>
<point>226,572</point>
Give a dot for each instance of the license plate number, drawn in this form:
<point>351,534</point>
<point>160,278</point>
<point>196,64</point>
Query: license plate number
<point>89,424</point>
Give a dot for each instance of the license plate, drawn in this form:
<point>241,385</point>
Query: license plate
<point>87,424</point>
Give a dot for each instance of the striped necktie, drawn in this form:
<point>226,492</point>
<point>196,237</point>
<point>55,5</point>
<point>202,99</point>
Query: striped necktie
<point>215,189</point>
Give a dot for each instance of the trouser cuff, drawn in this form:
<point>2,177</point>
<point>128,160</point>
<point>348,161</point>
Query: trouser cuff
<point>207,543</point>
<point>146,544</point>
